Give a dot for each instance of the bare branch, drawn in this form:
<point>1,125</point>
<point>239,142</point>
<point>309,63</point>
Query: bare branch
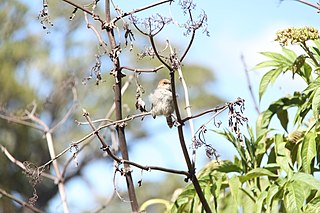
<point>106,148</point>
<point>140,9</point>
<point>90,26</point>
<point>21,165</point>
<point>25,204</point>
<point>67,115</point>
<point>143,70</point>
<point>249,84</point>
<point>20,121</point>
<point>95,16</point>
<point>309,4</point>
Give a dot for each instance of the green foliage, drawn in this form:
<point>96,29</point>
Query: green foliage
<point>272,172</point>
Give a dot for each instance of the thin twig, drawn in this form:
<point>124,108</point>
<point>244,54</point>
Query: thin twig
<point>20,121</point>
<point>106,148</point>
<point>143,70</point>
<point>309,4</point>
<point>249,84</point>
<point>21,165</point>
<point>95,16</point>
<point>140,9</point>
<point>67,115</point>
<point>90,26</point>
<point>25,204</point>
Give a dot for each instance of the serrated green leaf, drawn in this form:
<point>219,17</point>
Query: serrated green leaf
<point>268,78</point>
<point>283,118</point>
<point>308,151</point>
<point>316,104</point>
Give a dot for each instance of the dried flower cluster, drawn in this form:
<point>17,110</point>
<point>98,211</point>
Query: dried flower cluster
<point>296,35</point>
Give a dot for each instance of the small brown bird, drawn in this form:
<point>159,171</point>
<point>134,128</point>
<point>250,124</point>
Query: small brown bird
<point>162,101</point>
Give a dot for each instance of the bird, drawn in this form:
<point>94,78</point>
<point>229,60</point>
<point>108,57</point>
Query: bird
<point>162,101</point>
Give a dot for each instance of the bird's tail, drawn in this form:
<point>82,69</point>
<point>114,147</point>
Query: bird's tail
<point>169,121</point>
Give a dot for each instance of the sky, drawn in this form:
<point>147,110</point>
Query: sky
<point>236,27</point>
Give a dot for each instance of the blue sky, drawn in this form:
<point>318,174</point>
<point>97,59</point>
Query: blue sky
<point>235,27</point>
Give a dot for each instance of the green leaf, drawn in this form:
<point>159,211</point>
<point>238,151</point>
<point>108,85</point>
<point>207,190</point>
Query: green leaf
<point>283,117</point>
<point>277,57</point>
<point>235,185</point>
<point>274,193</point>
<point>268,78</point>
<point>316,104</point>
<point>282,157</point>
<point>313,86</point>
<point>291,55</point>
<point>281,104</point>
<point>257,172</point>
<point>294,197</point>
<point>266,64</point>
<point>260,201</point>
<point>308,151</point>
<point>307,179</point>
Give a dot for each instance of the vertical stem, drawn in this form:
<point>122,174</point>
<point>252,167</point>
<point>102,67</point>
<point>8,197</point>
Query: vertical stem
<point>57,171</point>
<point>118,112</point>
<point>190,166</point>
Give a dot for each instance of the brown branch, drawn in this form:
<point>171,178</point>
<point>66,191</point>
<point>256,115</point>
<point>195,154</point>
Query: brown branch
<point>118,110</point>
<point>309,4</point>
<point>140,9</point>
<point>151,38</point>
<point>191,39</point>
<point>25,204</point>
<point>95,16</point>
<point>217,110</point>
<point>142,70</point>
<point>191,168</point>
<point>106,148</point>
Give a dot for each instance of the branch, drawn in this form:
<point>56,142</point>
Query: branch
<point>67,115</point>
<point>21,165</point>
<point>309,4</point>
<point>53,156</point>
<point>249,84</point>
<point>142,70</point>
<point>95,16</point>
<point>106,148</point>
<point>90,26</point>
<point>216,110</point>
<point>32,208</point>
<point>118,109</point>
<point>20,121</point>
<point>191,168</point>
<point>140,9</point>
